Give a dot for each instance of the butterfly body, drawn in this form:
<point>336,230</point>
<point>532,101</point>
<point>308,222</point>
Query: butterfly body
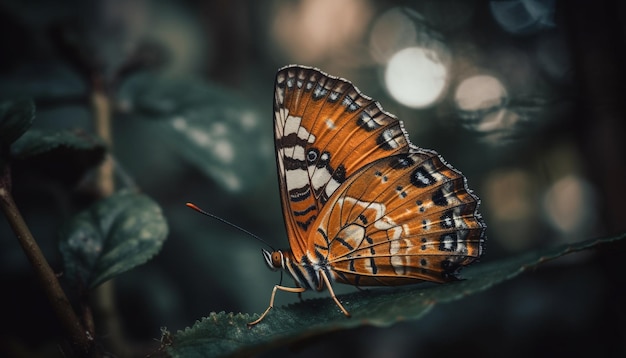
<point>362,205</point>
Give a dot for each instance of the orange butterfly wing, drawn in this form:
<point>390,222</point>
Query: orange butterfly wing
<point>403,219</point>
<point>325,131</point>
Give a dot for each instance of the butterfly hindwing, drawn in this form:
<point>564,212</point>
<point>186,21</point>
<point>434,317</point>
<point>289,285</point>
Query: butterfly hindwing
<point>325,131</point>
<point>402,219</point>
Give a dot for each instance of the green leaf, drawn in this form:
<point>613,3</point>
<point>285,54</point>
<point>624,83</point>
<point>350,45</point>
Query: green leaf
<point>159,97</point>
<point>111,237</point>
<point>37,142</point>
<point>209,126</point>
<point>223,334</point>
<point>62,155</point>
<point>15,119</point>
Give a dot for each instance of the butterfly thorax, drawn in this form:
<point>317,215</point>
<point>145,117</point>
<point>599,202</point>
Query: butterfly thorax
<point>305,271</point>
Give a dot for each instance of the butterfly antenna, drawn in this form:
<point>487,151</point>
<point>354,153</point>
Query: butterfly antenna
<point>194,207</point>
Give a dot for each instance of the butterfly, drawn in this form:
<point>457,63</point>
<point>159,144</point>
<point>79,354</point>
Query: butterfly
<point>362,205</point>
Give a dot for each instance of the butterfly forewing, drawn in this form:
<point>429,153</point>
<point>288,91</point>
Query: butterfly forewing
<point>325,131</point>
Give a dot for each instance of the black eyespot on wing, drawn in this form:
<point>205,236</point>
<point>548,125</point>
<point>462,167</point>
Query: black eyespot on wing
<point>312,155</point>
<point>386,140</point>
<point>448,242</point>
<point>402,161</point>
<point>439,198</point>
<point>351,104</point>
<point>319,92</point>
<point>421,178</point>
<point>333,97</point>
<point>339,175</point>
<point>447,220</point>
<point>367,122</point>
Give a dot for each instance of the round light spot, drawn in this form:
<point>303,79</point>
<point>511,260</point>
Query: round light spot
<point>479,93</point>
<point>392,31</point>
<point>569,206</point>
<point>416,77</point>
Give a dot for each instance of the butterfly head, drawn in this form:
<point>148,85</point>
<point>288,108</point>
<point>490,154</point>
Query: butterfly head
<point>275,259</point>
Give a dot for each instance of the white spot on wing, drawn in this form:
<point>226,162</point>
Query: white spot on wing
<point>395,232</point>
<point>292,124</point>
<point>319,176</point>
<point>353,235</point>
<point>296,178</point>
<point>434,173</point>
<point>331,187</point>
<point>280,94</point>
<point>297,152</point>
<point>388,137</point>
<point>397,261</point>
<point>330,123</point>
<point>304,134</point>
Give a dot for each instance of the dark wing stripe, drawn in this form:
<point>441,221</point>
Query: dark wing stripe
<point>305,211</point>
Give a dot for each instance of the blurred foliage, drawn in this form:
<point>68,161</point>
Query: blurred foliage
<point>209,126</point>
<point>63,156</point>
<point>113,236</point>
<point>16,117</point>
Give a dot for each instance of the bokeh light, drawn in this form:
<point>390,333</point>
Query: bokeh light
<point>392,31</point>
<point>510,197</point>
<point>310,31</point>
<point>416,77</point>
<point>482,102</point>
<point>480,93</point>
<point>569,204</point>
<point>523,16</point>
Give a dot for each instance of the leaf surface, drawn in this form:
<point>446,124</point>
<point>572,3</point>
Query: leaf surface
<point>224,334</point>
<point>113,236</point>
<point>210,127</point>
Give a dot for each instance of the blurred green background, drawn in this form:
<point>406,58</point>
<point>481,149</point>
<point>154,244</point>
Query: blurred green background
<point>525,97</point>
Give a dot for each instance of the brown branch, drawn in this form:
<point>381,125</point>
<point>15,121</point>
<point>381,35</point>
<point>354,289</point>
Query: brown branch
<point>80,339</point>
<point>103,302</point>
<point>101,106</point>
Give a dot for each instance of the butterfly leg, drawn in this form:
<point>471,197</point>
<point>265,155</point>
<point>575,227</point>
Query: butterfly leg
<point>297,290</point>
<point>332,293</point>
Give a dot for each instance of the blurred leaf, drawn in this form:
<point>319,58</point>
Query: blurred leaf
<point>159,97</point>
<point>209,126</point>
<point>49,84</point>
<point>16,117</point>
<point>38,142</point>
<point>111,237</point>
<point>226,334</point>
<point>63,155</point>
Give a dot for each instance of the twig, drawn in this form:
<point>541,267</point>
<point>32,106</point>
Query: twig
<point>80,339</point>
<point>103,303</point>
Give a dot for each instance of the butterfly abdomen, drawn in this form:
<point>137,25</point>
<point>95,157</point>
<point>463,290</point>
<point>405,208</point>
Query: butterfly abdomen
<point>305,271</point>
